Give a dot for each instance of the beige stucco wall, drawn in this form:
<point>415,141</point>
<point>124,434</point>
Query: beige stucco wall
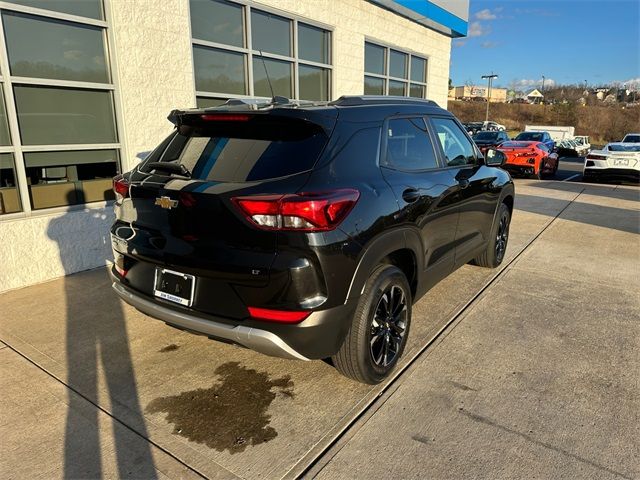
<point>151,49</point>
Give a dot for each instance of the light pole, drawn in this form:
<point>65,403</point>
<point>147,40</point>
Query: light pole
<point>489,81</point>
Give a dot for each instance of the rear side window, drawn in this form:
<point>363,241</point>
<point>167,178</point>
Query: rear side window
<point>457,148</point>
<point>408,145</point>
<point>260,150</point>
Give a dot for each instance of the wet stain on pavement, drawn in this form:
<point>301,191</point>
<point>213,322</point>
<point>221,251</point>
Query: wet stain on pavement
<point>462,386</point>
<point>169,348</point>
<point>230,415</point>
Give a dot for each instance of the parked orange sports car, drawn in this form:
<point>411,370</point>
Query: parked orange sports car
<point>529,158</point>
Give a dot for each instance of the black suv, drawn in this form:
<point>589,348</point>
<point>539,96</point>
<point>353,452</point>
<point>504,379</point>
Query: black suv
<point>307,231</point>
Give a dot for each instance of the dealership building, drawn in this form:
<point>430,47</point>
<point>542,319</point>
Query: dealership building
<point>86,86</point>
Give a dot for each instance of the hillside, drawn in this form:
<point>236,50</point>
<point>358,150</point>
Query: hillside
<point>602,123</point>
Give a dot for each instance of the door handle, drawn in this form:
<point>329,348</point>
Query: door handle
<point>410,195</point>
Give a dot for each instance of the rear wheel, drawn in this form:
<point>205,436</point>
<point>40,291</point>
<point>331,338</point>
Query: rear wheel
<point>379,328</point>
<point>540,173</point>
<point>497,245</point>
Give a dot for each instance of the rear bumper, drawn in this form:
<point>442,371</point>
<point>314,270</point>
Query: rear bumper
<point>515,169</point>
<point>611,174</point>
<point>318,336</point>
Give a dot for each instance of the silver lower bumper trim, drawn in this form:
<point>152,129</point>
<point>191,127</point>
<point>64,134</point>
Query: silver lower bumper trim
<point>253,338</point>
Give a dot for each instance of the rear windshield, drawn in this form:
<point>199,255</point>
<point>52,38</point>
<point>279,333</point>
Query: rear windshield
<point>624,148</point>
<point>533,136</point>
<point>632,139</point>
<point>485,136</point>
<point>515,145</point>
<point>242,152</point>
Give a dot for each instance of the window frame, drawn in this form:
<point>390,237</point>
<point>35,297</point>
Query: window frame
<point>386,77</point>
<point>8,81</point>
<point>382,156</point>
<point>249,52</point>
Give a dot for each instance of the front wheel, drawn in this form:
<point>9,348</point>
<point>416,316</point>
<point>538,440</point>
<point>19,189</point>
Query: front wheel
<point>379,328</point>
<point>497,244</point>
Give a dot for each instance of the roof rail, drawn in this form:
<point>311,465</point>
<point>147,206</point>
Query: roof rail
<point>354,100</point>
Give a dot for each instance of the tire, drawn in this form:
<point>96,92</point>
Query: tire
<point>361,356</point>
<point>540,174</point>
<point>497,245</point>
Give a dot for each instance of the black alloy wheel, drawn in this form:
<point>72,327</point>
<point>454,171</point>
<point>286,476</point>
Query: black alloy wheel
<point>502,236</point>
<point>388,326</point>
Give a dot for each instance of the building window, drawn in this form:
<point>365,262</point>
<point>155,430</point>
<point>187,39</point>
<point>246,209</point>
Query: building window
<point>59,142</point>
<point>237,46</point>
<point>389,71</point>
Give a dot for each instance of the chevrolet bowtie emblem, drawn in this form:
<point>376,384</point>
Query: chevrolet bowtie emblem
<point>166,202</point>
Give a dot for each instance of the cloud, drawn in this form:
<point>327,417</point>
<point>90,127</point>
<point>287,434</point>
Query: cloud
<point>73,54</point>
<point>485,15</point>
<point>459,43</point>
<point>476,29</point>
<point>489,44</point>
<point>532,83</point>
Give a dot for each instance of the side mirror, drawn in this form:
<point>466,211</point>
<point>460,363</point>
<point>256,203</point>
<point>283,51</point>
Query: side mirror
<point>494,158</point>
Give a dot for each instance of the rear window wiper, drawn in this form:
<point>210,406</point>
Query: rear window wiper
<point>177,168</point>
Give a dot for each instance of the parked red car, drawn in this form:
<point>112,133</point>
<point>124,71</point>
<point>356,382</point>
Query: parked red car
<point>529,158</point>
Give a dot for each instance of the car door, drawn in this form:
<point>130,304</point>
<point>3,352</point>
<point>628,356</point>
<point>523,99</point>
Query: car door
<point>474,185</point>
<point>425,191</point>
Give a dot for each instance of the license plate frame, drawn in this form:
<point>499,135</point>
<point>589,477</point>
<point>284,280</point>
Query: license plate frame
<point>175,287</point>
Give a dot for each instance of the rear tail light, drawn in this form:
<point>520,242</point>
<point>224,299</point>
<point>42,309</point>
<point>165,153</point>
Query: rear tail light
<point>280,316</point>
<point>223,117</point>
<point>311,212</point>
<point>120,187</point>
<point>593,156</point>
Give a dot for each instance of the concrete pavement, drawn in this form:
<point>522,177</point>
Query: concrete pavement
<point>189,406</point>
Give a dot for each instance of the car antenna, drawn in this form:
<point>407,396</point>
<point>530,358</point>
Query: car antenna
<point>274,98</point>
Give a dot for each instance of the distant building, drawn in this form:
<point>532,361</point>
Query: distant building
<point>535,96</point>
<point>475,92</point>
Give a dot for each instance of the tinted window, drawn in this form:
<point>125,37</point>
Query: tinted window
<point>48,48</point>
<point>280,74</point>
<point>373,86</point>
<point>408,145</point>
<point>530,136</point>
<point>623,148</point>
<point>218,70</point>
<point>373,58</point>
<point>314,83</point>
<point>458,150</point>
<point>516,144</point>
<point>270,33</point>
<point>485,136</point>
<point>55,116</point>
<point>239,153</point>
<point>217,21</point>
<point>82,8</point>
<point>313,43</point>
<point>632,139</point>
<point>398,64</point>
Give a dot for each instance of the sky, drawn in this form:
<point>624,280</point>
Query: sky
<point>567,41</point>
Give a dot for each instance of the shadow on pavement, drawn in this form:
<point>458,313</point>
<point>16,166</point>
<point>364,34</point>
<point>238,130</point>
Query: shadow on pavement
<point>622,219</point>
<point>598,189</point>
<point>97,337</point>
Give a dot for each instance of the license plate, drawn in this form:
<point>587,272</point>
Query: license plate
<point>621,162</point>
<point>174,286</point>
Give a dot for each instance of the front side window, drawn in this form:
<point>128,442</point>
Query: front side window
<point>409,146</point>
<point>457,148</point>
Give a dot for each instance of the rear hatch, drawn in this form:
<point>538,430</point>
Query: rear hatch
<point>179,212</point>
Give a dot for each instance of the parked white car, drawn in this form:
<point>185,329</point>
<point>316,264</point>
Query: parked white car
<point>493,126</point>
<point>616,161</point>
<point>583,143</point>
